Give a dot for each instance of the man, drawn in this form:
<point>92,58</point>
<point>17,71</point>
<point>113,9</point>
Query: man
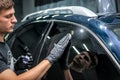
<point>7,22</point>
<point>81,62</point>
<point>84,61</point>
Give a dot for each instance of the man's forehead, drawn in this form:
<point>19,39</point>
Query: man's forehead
<point>7,11</point>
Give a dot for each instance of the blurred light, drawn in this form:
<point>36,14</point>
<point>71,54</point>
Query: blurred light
<point>71,32</point>
<point>46,16</point>
<point>81,30</point>
<point>67,15</point>
<point>75,50</point>
<point>55,15</point>
<point>85,47</point>
<point>48,37</point>
<point>103,27</point>
<point>110,43</point>
<point>39,18</point>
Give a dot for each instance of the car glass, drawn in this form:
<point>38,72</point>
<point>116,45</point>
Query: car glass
<point>28,35</point>
<point>82,40</point>
<point>26,40</point>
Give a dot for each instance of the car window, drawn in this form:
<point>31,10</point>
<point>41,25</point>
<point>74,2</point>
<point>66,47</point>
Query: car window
<point>82,40</point>
<point>27,35</point>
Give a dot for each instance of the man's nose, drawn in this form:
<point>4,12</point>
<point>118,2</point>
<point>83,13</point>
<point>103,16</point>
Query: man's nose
<point>82,56</point>
<point>14,20</point>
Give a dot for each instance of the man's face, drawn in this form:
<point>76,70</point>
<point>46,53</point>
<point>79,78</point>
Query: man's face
<point>81,62</point>
<point>7,21</point>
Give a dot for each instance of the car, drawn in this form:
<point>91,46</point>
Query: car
<point>98,33</point>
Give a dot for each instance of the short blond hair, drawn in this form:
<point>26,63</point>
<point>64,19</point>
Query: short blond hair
<point>6,4</point>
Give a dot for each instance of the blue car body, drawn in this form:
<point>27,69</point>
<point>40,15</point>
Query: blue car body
<point>104,28</point>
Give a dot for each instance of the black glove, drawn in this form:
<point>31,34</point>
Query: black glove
<point>63,61</point>
<point>85,60</point>
<point>58,49</point>
<point>24,62</point>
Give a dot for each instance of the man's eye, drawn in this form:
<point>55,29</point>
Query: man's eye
<point>9,16</point>
<point>86,58</point>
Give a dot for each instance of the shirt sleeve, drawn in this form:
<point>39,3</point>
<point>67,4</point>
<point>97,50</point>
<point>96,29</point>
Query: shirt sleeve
<point>3,65</point>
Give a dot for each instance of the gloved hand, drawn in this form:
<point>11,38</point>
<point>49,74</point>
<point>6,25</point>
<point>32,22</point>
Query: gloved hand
<point>24,62</point>
<point>85,60</point>
<point>63,61</point>
<point>58,49</point>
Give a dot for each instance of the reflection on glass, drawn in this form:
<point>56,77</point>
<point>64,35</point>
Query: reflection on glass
<point>85,47</point>
<point>110,43</point>
<point>103,27</point>
<point>81,30</point>
<point>76,50</point>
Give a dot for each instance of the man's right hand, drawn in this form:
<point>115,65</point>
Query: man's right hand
<point>58,49</point>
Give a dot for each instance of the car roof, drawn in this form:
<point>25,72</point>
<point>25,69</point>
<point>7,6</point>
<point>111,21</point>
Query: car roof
<point>62,10</point>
